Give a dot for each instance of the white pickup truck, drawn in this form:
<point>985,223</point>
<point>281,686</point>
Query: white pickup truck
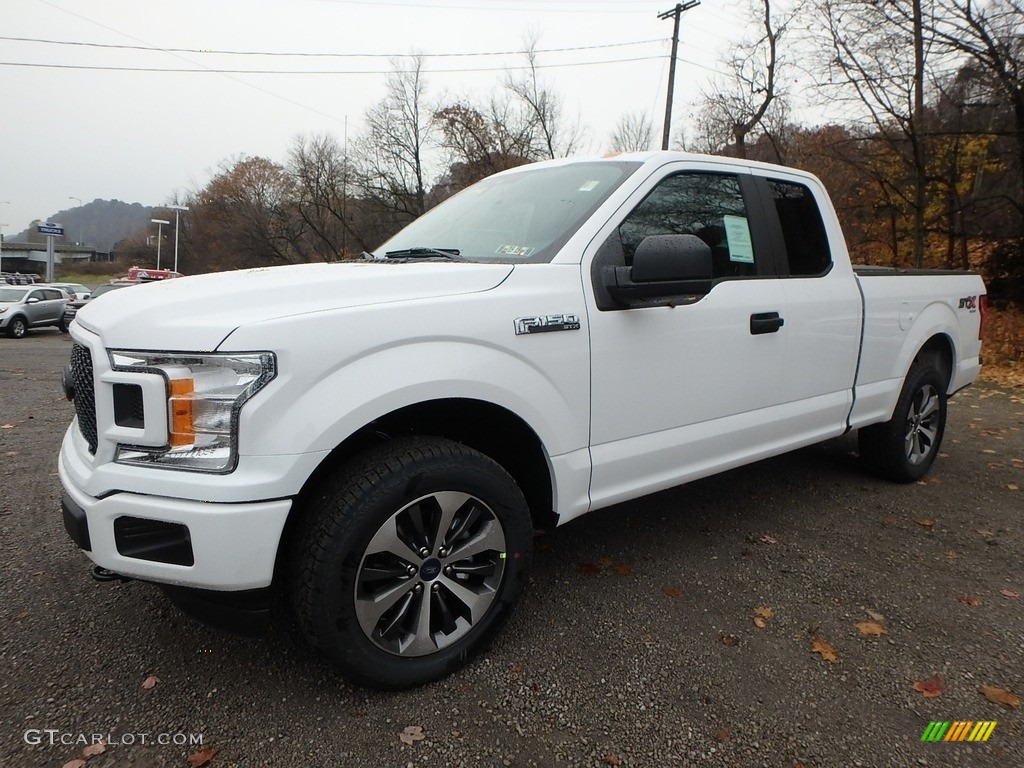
<point>373,443</point>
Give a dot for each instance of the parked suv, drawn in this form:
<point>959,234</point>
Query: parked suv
<point>75,291</point>
<point>76,304</point>
<point>24,307</point>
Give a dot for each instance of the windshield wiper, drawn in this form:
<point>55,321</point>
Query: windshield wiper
<point>425,253</point>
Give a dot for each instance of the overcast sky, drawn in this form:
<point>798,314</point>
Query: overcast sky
<point>74,126</point>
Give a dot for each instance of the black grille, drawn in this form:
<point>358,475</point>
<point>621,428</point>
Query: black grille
<point>85,395</point>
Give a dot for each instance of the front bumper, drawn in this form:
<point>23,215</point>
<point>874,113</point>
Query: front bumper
<point>233,546</point>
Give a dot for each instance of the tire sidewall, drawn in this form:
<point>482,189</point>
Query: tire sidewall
<point>921,375</point>
<point>347,535</point>
<point>17,328</point>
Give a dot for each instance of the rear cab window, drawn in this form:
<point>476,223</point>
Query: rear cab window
<point>803,229</point>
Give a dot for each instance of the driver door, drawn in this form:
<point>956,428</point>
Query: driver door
<point>681,391</point>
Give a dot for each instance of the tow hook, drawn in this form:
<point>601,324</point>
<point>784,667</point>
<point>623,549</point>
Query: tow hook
<point>104,576</point>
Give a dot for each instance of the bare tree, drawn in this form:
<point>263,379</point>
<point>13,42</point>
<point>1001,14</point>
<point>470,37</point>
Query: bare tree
<point>740,103</point>
<point>324,185</point>
<point>554,135</point>
<point>878,57</point>
<point>633,133</point>
<point>399,130</point>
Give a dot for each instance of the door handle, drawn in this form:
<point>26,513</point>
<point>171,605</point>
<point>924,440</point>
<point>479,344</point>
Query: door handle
<point>765,322</point>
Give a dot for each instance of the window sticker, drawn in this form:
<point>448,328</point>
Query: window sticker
<point>515,250</point>
<point>589,186</point>
<point>737,235</point>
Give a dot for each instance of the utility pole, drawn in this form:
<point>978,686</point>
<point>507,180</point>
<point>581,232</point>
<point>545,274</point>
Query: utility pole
<point>675,13</point>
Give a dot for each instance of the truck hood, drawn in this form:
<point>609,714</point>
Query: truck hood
<point>198,313</point>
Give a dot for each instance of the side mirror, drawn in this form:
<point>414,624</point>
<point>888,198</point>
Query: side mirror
<point>33,300</point>
<point>671,257</point>
<point>667,269</point>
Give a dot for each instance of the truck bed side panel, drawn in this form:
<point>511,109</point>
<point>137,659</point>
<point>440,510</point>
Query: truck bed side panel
<point>901,313</point>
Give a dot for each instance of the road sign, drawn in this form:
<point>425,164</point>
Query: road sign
<point>50,229</point>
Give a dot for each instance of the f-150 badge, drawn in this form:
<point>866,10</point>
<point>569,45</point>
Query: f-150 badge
<point>546,323</point>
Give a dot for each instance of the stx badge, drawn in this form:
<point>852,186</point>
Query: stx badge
<point>969,302</point>
<point>546,323</point>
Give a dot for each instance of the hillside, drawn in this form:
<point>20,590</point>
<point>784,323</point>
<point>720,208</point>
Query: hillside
<point>100,224</point>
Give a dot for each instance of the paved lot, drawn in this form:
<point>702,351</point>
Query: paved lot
<point>635,646</point>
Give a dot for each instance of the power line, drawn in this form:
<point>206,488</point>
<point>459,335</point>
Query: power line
<point>211,70</point>
<point>538,6</point>
<point>160,49</point>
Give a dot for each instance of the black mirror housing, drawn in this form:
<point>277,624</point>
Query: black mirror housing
<point>660,258</point>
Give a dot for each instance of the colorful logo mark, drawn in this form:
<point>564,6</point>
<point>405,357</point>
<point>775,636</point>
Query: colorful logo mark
<point>958,730</point>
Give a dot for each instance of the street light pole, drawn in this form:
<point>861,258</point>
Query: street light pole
<point>177,210</point>
<point>159,229</point>
<point>72,197</point>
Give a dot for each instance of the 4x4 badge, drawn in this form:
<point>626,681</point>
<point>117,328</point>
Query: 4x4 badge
<point>546,323</point>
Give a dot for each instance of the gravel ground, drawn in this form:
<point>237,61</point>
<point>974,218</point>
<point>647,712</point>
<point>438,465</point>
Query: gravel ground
<point>636,644</point>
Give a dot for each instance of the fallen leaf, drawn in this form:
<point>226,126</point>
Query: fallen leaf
<point>588,569</point>
<point>611,760</point>
<point>76,763</point>
<point>763,612</point>
<point>766,539</point>
<point>874,615</point>
<point>887,520</point>
<point>150,682</point>
<point>6,426</point>
<point>986,533</point>
<point>202,757</point>
<point>1013,486</point>
<point>952,555</point>
<point>826,651</point>
<point>925,523</point>
<point>870,628</point>
<point>722,735</point>
<point>605,562</point>
<point>730,641</point>
<point>623,570</point>
<point>999,696</point>
<point>930,688</point>
<point>1009,593</point>
<point>411,734</point>
<point>673,593</point>
<point>94,749</point>
<point>968,600</point>
<point>760,623</point>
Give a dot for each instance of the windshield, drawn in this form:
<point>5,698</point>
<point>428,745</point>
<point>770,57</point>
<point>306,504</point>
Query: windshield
<point>12,294</point>
<point>106,289</point>
<point>519,217</point>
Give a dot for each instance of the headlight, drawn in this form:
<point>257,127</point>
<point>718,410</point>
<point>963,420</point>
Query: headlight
<point>205,393</point>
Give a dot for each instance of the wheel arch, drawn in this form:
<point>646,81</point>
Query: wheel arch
<point>491,429</point>
<point>941,346</point>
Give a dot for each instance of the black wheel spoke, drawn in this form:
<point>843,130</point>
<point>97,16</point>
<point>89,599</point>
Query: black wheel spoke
<point>474,569</point>
<point>446,619</point>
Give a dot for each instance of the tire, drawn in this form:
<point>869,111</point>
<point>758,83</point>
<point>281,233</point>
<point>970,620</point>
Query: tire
<point>17,328</point>
<point>904,448</point>
<point>63,325</point>
<point>373,580</point>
